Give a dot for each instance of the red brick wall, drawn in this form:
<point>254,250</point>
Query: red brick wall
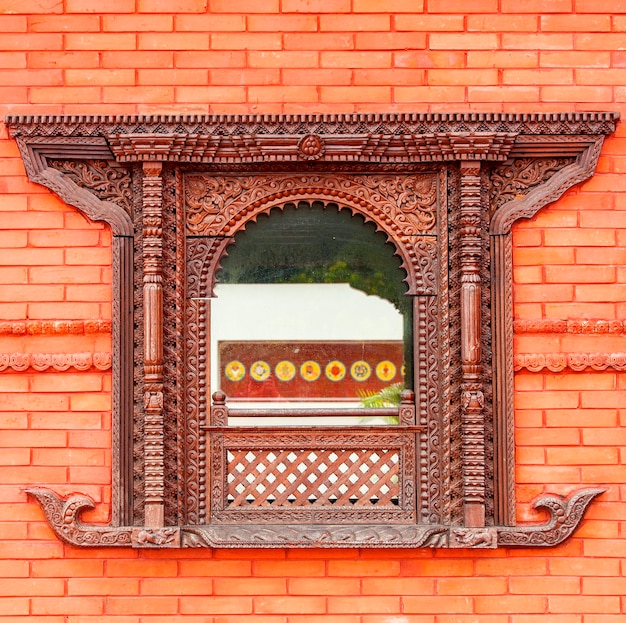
<point>268,56</point>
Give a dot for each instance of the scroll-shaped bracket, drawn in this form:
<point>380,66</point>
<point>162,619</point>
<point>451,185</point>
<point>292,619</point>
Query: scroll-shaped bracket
<point>63,517</point>
<point>565,516</point>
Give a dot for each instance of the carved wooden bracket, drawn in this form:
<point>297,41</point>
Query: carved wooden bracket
<point>63,515</point>
<point>444,189</point>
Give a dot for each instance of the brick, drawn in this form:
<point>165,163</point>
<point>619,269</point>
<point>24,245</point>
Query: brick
<point>580,274</point>
<point>176,586</point>
<point>111,6</point>
<point>538,76</point>
<point>574,59</point>
<point>574,23</point>
<point>147,77</point>
<point>216,605</point>
<point>132,605</point>
<point>539,41</point>
<point>398,6</point>
<point>27,587</point>
<point>319,77</point>
<point>552,473</point>
<point>315,6</point>
<point>328,586</point>
<point>243,6</point>
<point>356,94</point>
<point>582,456</point>
<point>502,23</point>
<point>355,23</point>
<point>365,604</point>
<point>394,76</point>
<point>511,567</point>
<point>14,606</point>
<point>250,586</point>
<point>100,41</point>
<point>318,41</point>
<point>172,41</point>
<point>469,6</point>
<point>13,60</point>
<point>219,568</point>
<point>355,59</point>
<point>443,77</point>
<point>428,93</point>
<point>58,95</point>
<point>282,23</point>
<point>43,41</point>
<point>471,586</point>
<point>390,41</point>
<point>51,59</point>
<point>209,94</point>
<point>9,7</point>
<point>137,60</point>
<point>536,6</point>
<point>425,59</point>
<point>469,41</point>
<point>432,604</point>
<point>209,59</point>
<point>598,41</point>
<point>580,604</point>
<point>502,59</point>
<point>510,604</point>
<point>365,568</point>
<point>283,59</point>
<point>102,586</point>
<point>182,6</point>
<point>138,23</point>
<point>64,23</point>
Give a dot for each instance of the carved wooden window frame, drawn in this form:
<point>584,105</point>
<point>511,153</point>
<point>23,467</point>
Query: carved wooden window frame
<point>490,169</point>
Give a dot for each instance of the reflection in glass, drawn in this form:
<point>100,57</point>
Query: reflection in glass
<point>311,310</point>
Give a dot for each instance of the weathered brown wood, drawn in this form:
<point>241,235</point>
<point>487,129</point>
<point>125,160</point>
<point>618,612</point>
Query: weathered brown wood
<point>390,169</point>
<point>152,199</point>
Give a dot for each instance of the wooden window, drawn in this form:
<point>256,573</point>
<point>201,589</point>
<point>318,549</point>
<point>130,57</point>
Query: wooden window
<point>195,467</point>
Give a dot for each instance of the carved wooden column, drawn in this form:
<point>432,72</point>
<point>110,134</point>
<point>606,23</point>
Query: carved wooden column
<point>472,396</point>
<point>153,343</point>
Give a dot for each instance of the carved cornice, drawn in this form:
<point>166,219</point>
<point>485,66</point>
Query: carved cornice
<point>426,137</point>
<point>55,327</point>
<point>60,362</point>
<point>557,362</point>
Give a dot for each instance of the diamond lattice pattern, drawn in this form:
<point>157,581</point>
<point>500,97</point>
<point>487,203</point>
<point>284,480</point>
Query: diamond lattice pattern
<point>357,477</point>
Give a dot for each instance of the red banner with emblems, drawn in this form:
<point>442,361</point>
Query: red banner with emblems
<point>308,370</point>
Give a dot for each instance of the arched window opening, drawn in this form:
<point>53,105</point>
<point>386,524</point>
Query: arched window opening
<point>311,310</point>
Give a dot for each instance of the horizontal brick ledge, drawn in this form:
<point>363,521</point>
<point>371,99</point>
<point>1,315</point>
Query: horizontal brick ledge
<point>55,327</point>
<point>21,362</point>
<point>556,362</point>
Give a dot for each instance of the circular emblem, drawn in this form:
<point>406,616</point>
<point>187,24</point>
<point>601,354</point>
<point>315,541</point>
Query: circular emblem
<point>385,370</point>
<point>310,370</point>
<point>360,370</point>
<point>311,147</point>
<point>260,370</point>
<point>285,370</point>
<point>335,370</point>
<point>235,370</point>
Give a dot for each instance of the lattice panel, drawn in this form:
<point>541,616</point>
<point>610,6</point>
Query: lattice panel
<point>320,477</point>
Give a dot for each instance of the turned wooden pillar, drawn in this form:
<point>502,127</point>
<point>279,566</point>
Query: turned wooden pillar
<point>152,188</point>
<point>472,395</point>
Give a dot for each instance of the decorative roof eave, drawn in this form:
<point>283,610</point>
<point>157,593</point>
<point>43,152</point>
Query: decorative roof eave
<point>361,138</point>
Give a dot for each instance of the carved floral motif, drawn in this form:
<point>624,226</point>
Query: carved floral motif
<point>557,362</point>
<point>60,362</point>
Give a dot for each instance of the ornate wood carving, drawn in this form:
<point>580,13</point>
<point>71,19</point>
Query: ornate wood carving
<point>434,183</point>
<point>565,516</point>
<point>153,344</point>
<point>472,394</point>
<point>402,206</point>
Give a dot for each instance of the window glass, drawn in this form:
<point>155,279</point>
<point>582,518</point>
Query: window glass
<point>310,311</point>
